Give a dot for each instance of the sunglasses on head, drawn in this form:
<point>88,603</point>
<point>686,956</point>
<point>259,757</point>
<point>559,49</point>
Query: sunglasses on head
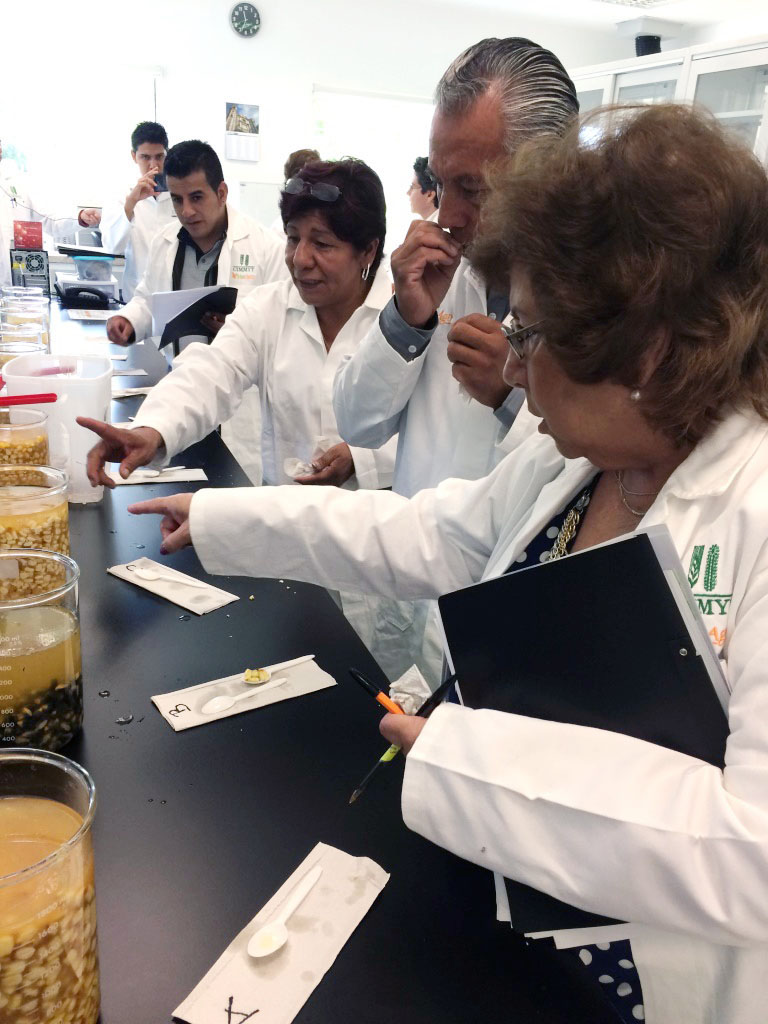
<point>318,190</point>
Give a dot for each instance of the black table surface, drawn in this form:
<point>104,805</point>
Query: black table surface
<point>196,830</point>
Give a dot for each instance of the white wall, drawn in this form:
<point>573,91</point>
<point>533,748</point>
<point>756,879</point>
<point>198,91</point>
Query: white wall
<point>399,47</point>
<point>728,31</point>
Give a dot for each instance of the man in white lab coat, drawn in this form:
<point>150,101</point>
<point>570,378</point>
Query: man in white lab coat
<point>423,369</point>
<point>214,244</point>
<point>431,367</point>
<point>129,226</point>
<point>16,203</point>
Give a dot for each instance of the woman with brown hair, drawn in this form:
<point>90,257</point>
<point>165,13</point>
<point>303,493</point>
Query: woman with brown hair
<point>637,248</point>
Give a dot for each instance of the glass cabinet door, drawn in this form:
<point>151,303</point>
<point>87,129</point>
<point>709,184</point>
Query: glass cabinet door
<point>589,99</point>
<point>593,91</point>
<point>650,85</point>
<point>655,92</point>
<point>737,94</point>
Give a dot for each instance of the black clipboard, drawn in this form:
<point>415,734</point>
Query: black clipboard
<point>187,322</point>
<point>609,638</point>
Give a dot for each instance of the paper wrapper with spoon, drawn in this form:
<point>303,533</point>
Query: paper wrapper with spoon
<point>183,709</point>
<point>274,988</point>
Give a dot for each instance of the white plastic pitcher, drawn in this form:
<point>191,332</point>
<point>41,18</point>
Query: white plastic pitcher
<point>83,384</point>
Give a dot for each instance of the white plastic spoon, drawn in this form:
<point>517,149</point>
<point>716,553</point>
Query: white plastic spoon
<point>159,472</point>
<point>273,935</point>
<point>153,574</point>
<point>224,702</point>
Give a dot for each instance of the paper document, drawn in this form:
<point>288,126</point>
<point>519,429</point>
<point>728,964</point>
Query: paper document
<point>167,305</point>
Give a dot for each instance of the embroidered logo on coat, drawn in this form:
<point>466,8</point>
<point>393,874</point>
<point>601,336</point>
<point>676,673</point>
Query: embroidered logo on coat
<point>444,318</point>
<point>703,571</point>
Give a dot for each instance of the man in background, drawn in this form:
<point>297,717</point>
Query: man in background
<point>423,190</point>
<point>291,168</point>
<point>211,243</point>
<point>129,226</point>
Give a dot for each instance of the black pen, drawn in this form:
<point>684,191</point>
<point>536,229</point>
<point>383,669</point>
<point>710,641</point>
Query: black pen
<point>426,708</point>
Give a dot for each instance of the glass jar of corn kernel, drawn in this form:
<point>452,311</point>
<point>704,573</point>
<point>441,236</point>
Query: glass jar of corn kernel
<point>41,684</point>
<point>23,437</point>
<point>49,972</point>
<point>33,514</point>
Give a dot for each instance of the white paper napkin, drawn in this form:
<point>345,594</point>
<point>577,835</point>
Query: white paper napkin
<point>181,708</point>
<point>195,599</point>
<point>274,988</point>
<point>151,476</point>
<point>127,371</point>
<point>297,467</point>
<point>410,690</point>
<point>129,392</point>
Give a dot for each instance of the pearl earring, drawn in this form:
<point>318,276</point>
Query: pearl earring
<point>635,395</point>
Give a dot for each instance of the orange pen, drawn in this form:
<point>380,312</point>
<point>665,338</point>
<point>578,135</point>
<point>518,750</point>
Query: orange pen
<point>379,695</point>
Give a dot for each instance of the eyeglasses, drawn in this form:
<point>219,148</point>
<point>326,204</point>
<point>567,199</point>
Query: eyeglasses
<point>318,190</point>
<point>523,340</point>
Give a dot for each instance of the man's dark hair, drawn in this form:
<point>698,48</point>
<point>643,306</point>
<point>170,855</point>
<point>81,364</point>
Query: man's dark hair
<point>358,216</point>
<point>193,155</point>
<point>296,161</point>
<point>425,177</point>
<point>148,131</point>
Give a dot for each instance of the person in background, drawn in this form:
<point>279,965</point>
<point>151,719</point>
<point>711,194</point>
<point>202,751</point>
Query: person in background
<point>430,369</point>
<point>637,253</point>
<point>214,244</point>
<point>422,192</point>
<point>291,168</point>
<point>16,203</point>
<point>129,226</point>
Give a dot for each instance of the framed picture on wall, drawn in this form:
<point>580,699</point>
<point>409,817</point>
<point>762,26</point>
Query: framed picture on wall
<point>242,131</point>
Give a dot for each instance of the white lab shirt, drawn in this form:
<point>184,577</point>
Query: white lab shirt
<point>134,237</point>
<point>273,341</point>
<point>604,821</point>
<point>442,431</point>
<point>250,255</point>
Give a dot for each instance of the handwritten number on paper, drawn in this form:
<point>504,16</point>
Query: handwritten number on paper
<point>231,1013</point>
<point>175,712</point>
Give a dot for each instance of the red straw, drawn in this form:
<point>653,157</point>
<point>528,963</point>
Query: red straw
<point>46,397</point>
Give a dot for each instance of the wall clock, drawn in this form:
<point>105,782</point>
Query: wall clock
<point>245,20</point>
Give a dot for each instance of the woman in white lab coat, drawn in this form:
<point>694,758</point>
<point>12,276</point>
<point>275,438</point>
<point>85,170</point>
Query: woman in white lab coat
<point>287,338</point>
<point>638,255</point>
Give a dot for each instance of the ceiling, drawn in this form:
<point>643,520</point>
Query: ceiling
<point>599,13</point>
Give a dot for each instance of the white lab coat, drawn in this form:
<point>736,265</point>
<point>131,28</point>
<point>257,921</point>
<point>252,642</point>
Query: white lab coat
<point>442,431</point>
<point>134,237</point>
<point>603,821</point>
<point>251,255</point>
<point>273,341</point>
